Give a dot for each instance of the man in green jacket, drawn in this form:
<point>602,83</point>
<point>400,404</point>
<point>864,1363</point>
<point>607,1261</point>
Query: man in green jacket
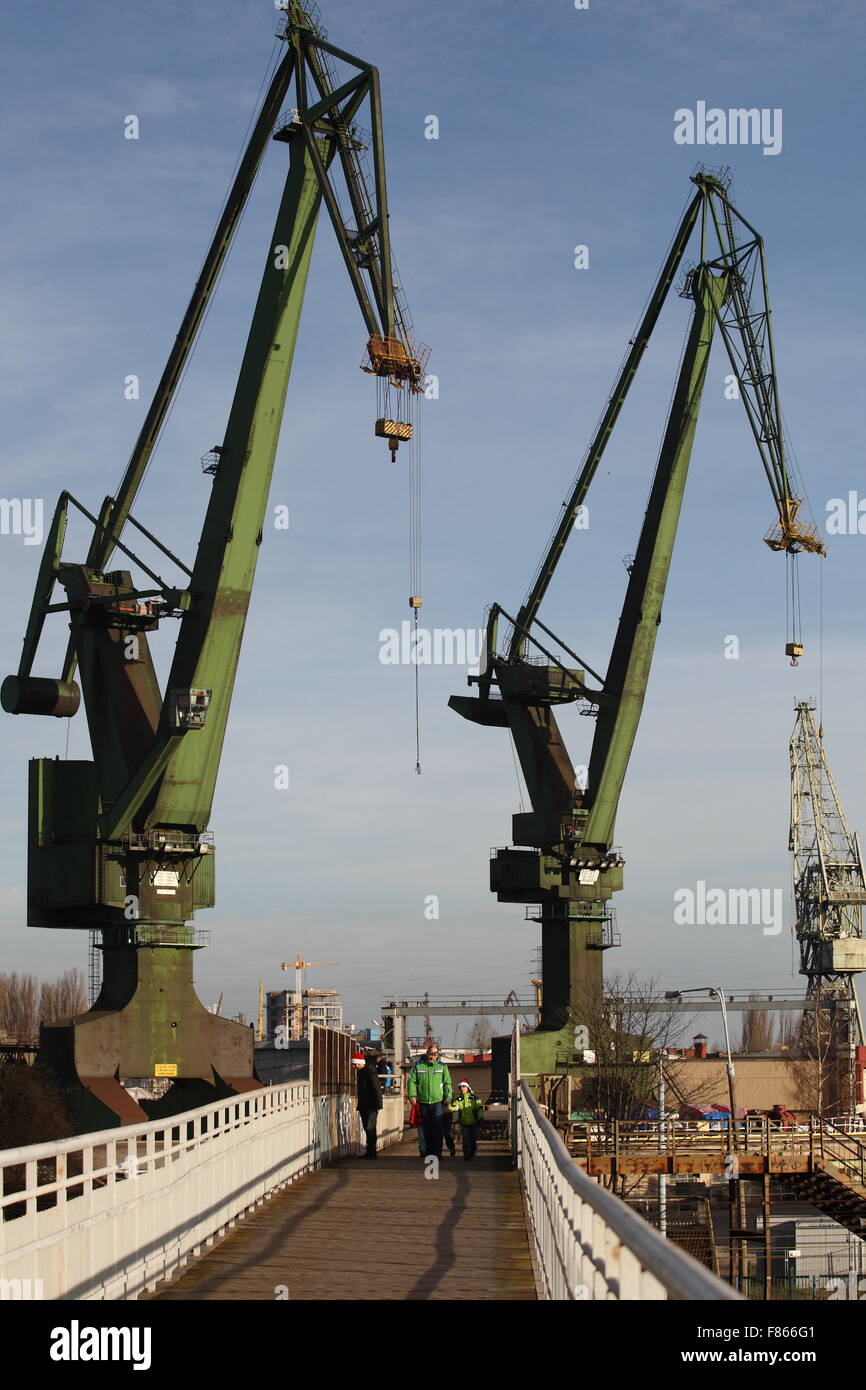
<point>430,1085</point>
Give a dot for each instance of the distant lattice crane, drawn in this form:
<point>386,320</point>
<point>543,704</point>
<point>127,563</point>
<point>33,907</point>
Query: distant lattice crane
<point>829,893</point>
<point>428,1026</point>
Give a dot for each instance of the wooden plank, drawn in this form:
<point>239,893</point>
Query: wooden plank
<point>360,1230</point>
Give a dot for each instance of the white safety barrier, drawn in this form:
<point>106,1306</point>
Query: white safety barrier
<point>109,1215</point>
<point>588,1244</point>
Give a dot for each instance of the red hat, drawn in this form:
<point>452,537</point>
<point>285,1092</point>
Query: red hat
<point>358,1059</point>
<point>464,1083</point>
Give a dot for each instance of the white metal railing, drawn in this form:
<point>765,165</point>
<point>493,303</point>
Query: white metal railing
<point>589,1244</point>
<point>108,1215</point>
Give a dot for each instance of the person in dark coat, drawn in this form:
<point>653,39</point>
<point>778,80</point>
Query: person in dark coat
<point>369,1101</point>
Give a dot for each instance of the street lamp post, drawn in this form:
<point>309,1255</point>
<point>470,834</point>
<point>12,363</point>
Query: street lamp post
<point>736,1202</point>
<point>663,1177</point>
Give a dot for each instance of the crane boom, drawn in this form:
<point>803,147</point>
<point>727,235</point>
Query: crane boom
<point>632,653</point>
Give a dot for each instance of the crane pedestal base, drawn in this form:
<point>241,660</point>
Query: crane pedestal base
<point>571,968</point>
<point>549,1052</point>
<point>147,1022</point>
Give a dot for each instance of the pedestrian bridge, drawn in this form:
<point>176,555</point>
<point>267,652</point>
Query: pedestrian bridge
<point>262,1197</point>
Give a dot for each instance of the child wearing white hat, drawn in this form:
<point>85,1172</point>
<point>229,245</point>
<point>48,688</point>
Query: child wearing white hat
<point>470,1108</point>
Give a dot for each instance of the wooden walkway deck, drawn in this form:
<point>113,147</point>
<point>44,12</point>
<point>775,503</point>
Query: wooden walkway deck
<point>377,1230</point>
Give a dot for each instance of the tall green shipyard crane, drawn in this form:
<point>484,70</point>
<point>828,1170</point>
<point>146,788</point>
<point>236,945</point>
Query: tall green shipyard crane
<point>120,844</point>
<point>563,861</point>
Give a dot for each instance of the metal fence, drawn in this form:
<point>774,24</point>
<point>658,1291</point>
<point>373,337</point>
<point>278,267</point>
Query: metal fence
<point>331,1067</point>
<point>716,1138</point>
<point>809,1288</point>
<point>109,1215</point>
<point>588,1244</point>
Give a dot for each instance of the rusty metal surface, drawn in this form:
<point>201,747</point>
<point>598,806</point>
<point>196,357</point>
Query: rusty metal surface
<point>626,1147</point>
<point>332,1072</point>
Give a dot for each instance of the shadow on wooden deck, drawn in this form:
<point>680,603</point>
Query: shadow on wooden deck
<point>377,1230</point>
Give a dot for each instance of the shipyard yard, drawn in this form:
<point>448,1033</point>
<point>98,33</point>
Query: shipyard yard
<point>573,567</point>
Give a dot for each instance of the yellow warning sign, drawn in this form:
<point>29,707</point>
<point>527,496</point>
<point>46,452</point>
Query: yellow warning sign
<point>165,1069</point>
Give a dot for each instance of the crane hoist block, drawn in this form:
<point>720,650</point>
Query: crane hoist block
<point>393,429</point>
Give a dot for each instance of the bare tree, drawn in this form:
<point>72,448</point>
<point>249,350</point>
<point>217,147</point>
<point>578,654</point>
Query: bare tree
<point>629,1037</point>
<point>816,1063</point>
<point>757,1029</point>
<point>24,1003</point>
<point>63,998</point>
<point>627,1034</point>
<point>19,1008</point>
<point>790,1030</point>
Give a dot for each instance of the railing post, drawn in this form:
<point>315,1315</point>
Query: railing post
<point>768,1233</point>
<point>515,1095</point>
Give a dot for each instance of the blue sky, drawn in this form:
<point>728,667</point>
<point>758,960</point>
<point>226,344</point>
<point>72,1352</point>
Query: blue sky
<point>556,129</point>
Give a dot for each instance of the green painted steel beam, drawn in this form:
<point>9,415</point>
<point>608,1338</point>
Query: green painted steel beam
<point>632,653</point>
<point>356,86</point>
<point>45,580</point>
<point>330,199</point>
<point>115,822</point>
<point>209,643</point>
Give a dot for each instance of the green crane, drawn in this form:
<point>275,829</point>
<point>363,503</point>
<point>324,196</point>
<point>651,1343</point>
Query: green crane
<point>563,861</point>
<point>119,844</point>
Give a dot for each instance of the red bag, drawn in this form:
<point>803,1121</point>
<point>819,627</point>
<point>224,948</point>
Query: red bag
<point>414,1115</point>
